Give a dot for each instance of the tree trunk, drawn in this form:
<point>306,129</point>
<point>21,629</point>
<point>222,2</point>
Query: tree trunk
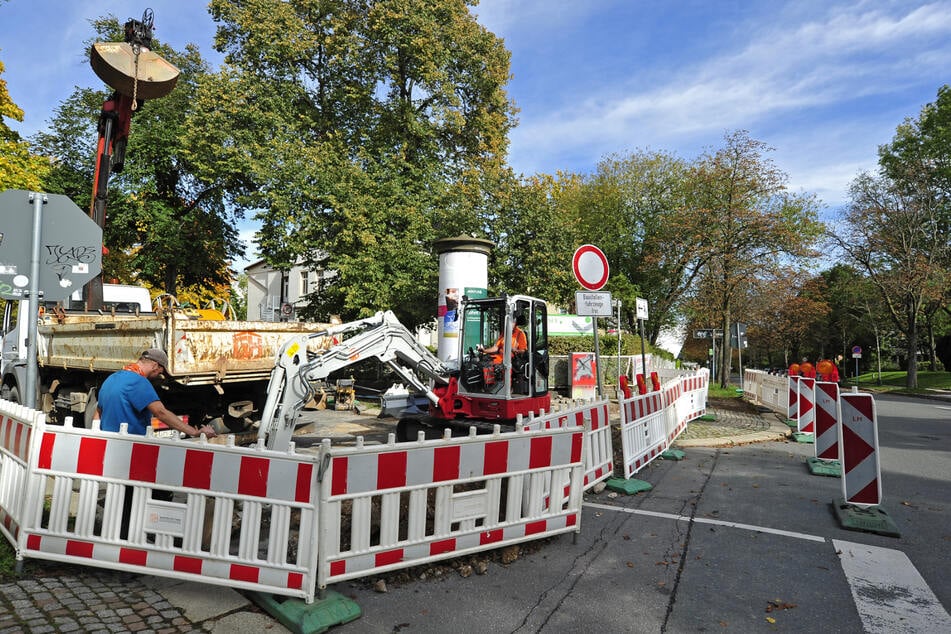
<point>912,350</point>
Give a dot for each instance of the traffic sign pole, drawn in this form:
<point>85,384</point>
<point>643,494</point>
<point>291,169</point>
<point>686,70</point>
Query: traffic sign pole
<point>32,372</point>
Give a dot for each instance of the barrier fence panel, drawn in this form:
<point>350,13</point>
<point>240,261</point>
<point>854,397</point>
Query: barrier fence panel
<point>16,430</point>
<point>391,506</point>
<point>197,511</point>
<point>769,390</point>
<point>690,404</point>
<point>598,444</point>
<point>643,429</point>
<point>806,413</point>
<point>827,420</point>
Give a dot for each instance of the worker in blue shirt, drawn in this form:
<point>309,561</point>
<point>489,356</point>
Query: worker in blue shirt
<point>128,396</point>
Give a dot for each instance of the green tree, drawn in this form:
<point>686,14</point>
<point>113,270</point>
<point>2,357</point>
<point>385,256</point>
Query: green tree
<point>19,168</point>
<point>362,132</point>
<point>750,221</point>
<point>165,226</point>
<point>635,208</point>
<point>897,235</point>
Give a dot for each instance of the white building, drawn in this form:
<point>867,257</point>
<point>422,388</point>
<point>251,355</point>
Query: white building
<point>275,295</point>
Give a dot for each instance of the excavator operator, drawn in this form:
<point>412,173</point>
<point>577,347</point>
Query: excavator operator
<point>519,342</point>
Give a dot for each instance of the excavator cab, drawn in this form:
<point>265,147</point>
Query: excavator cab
<point>504,362</point>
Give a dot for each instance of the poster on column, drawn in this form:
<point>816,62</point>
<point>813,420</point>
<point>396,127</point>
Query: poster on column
<point>584,375</point>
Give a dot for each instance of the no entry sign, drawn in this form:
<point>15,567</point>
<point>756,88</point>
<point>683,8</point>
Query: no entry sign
<point>590,267</point>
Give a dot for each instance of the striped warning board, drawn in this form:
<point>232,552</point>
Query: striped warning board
<point>793,399</point>
<point>806,417</point>
<point>827,420</point>
<point>858,439</point>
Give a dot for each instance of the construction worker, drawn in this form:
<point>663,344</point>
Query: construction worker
<point>519,341</point>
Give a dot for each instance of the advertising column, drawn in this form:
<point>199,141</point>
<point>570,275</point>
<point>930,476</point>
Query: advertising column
<point>463,270</point>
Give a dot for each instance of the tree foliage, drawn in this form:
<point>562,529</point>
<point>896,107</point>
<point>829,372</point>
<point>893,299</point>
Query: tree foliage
<point>165,227</point>
<point>361,132</point>
<point>750,222</point>
<point>19,168</point>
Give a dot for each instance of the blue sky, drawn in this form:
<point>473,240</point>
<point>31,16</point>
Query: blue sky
<point>823,82</point>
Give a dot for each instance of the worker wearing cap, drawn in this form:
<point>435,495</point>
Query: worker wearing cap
<point>519,342</point>
<point>127,396</point>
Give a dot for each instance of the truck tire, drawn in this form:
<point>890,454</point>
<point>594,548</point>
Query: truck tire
<point>10,393</point>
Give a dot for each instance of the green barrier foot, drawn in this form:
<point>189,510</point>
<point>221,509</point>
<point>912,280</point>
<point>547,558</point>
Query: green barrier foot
<point>871,519</point>
<point>308,618</point>
<point>673,454</point>
<point>739,390</point>
<point>792,423</point>
<point>708,417</point>
<point>804,437</point>
<point>628,487</point>
<point>830,468</point>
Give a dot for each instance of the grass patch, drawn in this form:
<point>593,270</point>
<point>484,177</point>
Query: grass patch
<point>894,381</point>
<point>8,560</point>
<point>715,391</point>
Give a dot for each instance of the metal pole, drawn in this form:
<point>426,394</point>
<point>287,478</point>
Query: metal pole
<point>739,355</point>
<point>640,325</point>
<point>713,363</point>
<point>597,357</point>
<point>618,344</point>
<point>29,398</point>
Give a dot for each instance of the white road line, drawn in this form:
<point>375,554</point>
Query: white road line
<point>707,520</point>
<point>890,594</point>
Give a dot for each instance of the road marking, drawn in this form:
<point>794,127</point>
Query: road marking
<point>890,594</point>
<point>707,520</point>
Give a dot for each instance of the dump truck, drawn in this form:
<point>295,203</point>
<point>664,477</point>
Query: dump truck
<point>218,368</point>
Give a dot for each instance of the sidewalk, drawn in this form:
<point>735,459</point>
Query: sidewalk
<point>53,598</point>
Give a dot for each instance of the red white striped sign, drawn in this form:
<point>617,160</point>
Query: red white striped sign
<point>827,421</point>
<point>858,439</point>
<point>806,417</point>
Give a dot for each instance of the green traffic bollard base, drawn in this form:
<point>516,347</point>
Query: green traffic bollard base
<point>673,454</point>
<point>803,437</point>
<point>792,423</point>
<point>708,417</point>
<point>628,487</point>
<point>308,618</point>
<point>869,519</point>
<point>831,468</point>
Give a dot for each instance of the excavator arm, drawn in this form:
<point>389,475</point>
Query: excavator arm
<point>311,357</point>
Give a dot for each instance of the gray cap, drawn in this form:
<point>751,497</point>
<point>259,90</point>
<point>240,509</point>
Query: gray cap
<point>157,355</point>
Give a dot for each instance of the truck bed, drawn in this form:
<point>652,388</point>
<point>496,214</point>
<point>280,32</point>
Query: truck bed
<point>199,351</point>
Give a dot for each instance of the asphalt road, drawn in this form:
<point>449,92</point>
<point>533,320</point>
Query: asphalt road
<point>739,539</point>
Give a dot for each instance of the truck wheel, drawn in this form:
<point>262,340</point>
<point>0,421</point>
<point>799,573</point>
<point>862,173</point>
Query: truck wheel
<point>10,393</point>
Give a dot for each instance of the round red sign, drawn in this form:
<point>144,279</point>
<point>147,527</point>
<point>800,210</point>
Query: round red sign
<point>591,267</point>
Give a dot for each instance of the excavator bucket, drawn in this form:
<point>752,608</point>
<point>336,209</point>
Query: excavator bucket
<point>115,64</point>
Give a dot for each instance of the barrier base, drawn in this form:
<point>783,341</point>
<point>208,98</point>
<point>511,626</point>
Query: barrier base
<point>831,468</point>
<point>870,519</point>
<point>309,618</point>
<point>708,417</point>
<point>804,437</point>
<point>628,487</point>
<point>673,454</point>
<point>792,423</point>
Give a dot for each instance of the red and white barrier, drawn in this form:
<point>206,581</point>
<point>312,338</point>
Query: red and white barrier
<point>858,442</point>
<point>454,495</point>
<point>191,537</point>
<point>806,411</point>
<point>793,409</point>
<point>16,427</point>
<point>598,445</point>
<point>827,421</point>
<point>650,423</point>
<point>643,430</point>
<point>769,390</point>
